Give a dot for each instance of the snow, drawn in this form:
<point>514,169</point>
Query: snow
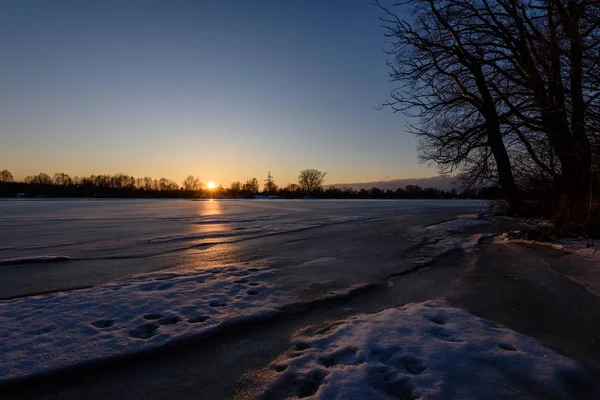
<point>450,235</point>
<point>589,249</point>
<point>43,333</point>
<point>429,350</point>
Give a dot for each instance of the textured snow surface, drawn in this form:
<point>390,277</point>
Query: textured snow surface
<point>42,333</point>
<point>46,332</point>
<point>589,249</point>
<point>429,350</point>
<point>449,235</point>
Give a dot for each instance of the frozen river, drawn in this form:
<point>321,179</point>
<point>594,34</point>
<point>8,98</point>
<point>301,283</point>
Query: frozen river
<point>48,245</point>
<point>88,282</point>
<point>99,229</point>
<point>83,279</point>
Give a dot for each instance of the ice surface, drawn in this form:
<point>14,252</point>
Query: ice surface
<point>139,228</point>
<point>429,350</point>
<point>58,330</point>
<point>457,224</point>
<point>134,229</point>
<point>38,259</point>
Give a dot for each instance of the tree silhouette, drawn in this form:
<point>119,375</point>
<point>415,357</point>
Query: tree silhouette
<point>165,185</point>
<point>235,188</point>
<point>504,90</point>
<point>311,180</point>
<point>445,82</point>
<point>251,187</point>
<point>62,179</point>
<point>6,176</point>
<point>39,179</point>
<point>192,184</point>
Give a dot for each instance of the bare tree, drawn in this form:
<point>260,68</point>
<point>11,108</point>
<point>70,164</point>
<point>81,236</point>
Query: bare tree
<point>311,180</point>
<point>6,176</point>
<point>148,183</point>
<point>165,184</point>
<point>39,179</point>
<point>235,188</point>
<point>121,181</point>
<point>541,49</point>
<point>251,187</point>
<point>292,188</point>
<point>192,184</point>
<point>62,179</point>
<point>504,90</point>
<point>445,84</point>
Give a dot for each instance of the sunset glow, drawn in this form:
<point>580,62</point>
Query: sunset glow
<point>211,185</point>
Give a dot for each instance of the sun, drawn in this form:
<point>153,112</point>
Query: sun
<point>211,185</point>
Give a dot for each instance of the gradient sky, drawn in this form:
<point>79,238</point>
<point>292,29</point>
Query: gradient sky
<point>224,90</point>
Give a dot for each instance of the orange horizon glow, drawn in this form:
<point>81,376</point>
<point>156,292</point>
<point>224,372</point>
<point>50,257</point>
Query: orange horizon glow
<point>211,185</point>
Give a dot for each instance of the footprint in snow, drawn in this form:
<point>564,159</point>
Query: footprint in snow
<point>438,320</point>
<point>198,318</point>
<point>507,347</point>
<point>413,364</point>
<point>155,286</point>
<point>41,331</point>
<point>217,303</point>
<point>151,317</point>
<point>144,331</point>
<point>103,323</point>
<point>171,320</point>
<point>444,335</point>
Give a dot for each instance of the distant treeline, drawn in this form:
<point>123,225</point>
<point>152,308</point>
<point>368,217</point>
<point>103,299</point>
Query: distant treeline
<point>310,184</point>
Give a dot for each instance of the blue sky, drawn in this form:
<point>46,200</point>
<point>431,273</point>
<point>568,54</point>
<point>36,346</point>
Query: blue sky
<point>224,90</point>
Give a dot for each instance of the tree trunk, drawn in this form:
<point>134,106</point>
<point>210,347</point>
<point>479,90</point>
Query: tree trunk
<point>497,147</point>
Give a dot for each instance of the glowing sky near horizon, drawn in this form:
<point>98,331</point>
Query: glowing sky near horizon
<point>224,90</point>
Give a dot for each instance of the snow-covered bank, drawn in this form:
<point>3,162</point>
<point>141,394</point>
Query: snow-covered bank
<point>450,235</point>
<point>428,350</point>
<point>43,333</point>
<point>586,248</point>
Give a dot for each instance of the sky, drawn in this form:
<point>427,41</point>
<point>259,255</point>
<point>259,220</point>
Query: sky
<point>223,90</point>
